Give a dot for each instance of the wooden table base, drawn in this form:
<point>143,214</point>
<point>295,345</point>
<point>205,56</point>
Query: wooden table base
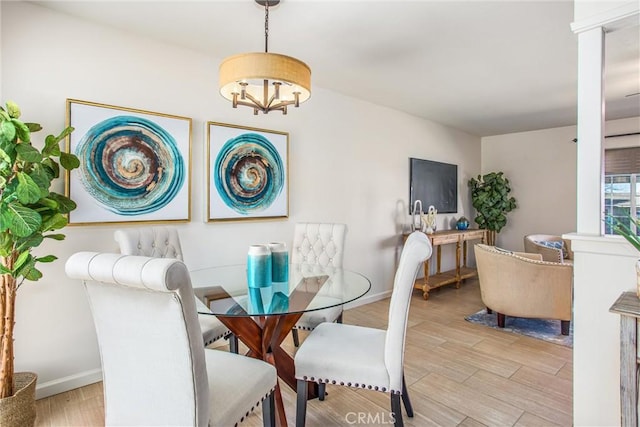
<point>263,337</point>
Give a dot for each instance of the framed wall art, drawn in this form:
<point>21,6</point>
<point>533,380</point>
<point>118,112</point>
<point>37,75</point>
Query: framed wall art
<point>248,173</point>
<point>134,165</point>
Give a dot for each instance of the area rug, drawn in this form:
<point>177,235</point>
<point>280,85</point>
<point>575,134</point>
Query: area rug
<point>542,329</point>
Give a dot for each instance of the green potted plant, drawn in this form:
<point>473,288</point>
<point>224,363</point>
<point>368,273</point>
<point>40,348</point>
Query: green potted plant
<point>624,230</point>
<point>490,197</point>
<point>619,227</point>
<point>29,213</point>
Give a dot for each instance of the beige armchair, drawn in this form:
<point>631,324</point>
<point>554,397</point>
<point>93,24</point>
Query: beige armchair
<point>519,285</point>
<point>564,255</point>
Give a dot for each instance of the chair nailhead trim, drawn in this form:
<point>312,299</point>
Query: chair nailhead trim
<point>211,341</point>
<point>356,385</point>
<point>255,406</point>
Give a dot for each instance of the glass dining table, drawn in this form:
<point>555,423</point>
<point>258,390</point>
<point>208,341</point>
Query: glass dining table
<point>261,318</point>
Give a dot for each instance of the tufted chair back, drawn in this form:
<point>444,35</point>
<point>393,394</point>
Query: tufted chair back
<point>417,249</point>
<point>155,242</point>
<point>150,341</point>
<point>317,243</point>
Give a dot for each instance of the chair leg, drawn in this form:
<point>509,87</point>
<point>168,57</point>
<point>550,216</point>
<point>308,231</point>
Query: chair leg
<point>501,318</point>
<point>405,398</point>
<point>301,405</point>
<point>339,319</point>
<point>296,339</point>
<point>564,326</point>
<point>321,390</point>
<point>269,411</point>
<point>396,410</point>
<point>233,344</point>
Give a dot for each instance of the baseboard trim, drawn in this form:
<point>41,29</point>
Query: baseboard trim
<point>71,382</point>
<point>368,299</point>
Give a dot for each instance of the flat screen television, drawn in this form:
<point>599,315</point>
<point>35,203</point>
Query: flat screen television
<point>433,183</point>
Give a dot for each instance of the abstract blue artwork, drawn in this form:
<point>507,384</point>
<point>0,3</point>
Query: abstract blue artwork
<point>134,165</point>
<point>247,173</point>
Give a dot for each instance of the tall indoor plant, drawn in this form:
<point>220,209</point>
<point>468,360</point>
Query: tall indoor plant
<point>29,213</point>
<point>490,197</point>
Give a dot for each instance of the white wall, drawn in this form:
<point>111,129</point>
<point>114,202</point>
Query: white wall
<point>541,168</point>
<point>348,163</point>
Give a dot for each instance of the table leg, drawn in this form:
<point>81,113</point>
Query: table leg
<point>458,279</point>
<point>464,254</point>
<point>425,287</point>
<point>263,338</point>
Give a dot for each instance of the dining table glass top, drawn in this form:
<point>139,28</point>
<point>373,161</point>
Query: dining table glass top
<point>224,291</point>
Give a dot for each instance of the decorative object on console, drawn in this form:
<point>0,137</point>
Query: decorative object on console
<point>416,216</point>
<point>248,175</point>
<point>462,223</point>
<point>490,197</point>
<point>429,220</point>
<point>134,164</point>
<point>265,81</point>
<point>29,213</point>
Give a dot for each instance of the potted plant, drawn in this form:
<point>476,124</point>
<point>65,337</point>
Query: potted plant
<point>29,213</point>
<point>490,197</point>
<point>621,228</point>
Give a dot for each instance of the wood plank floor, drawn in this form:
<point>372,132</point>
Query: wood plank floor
<point>458,373</point>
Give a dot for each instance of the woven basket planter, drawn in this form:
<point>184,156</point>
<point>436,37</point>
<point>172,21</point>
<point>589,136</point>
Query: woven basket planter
<point>19,410</point>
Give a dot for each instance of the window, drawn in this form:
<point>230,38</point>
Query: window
<point>622,186</point>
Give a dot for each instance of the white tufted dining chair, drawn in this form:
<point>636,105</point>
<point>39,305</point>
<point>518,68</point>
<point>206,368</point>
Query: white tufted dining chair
<point>361,357</point>
<point>155,369</point>
<point>318,244</point>
<point>164,242</point>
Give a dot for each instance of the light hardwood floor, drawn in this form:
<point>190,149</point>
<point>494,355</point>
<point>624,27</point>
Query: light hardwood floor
<point>459,374</point>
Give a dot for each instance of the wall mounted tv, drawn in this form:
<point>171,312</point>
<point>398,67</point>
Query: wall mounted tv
<point>433,183</point>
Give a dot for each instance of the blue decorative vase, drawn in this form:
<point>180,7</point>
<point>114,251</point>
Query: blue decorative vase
<point>259,266</point>
<point>462,224</point>
<point>279,263</point>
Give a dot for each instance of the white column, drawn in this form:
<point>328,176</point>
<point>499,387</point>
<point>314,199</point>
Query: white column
<point>590,131</point>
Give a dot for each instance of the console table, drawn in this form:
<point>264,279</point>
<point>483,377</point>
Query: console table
<point>460,272</point>
<point>628,307</point>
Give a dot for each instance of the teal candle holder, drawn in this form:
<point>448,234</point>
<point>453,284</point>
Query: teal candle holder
<point>259,266</point>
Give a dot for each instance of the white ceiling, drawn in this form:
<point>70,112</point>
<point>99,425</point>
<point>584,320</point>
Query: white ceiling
<point>485,67</point>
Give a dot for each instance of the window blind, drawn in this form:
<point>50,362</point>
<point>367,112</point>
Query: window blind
<point>622,161</point>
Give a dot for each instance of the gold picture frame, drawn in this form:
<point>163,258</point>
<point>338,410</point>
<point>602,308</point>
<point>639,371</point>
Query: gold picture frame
<point>247,173</point>
<point>135,165</point>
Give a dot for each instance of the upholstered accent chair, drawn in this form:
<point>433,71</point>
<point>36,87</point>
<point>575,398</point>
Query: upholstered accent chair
<point>318,244</point>
<point>523,285</point>
<point>164,242</point>
<point>552,248</point>
<point>156,370</point>
<point>361,357</point>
